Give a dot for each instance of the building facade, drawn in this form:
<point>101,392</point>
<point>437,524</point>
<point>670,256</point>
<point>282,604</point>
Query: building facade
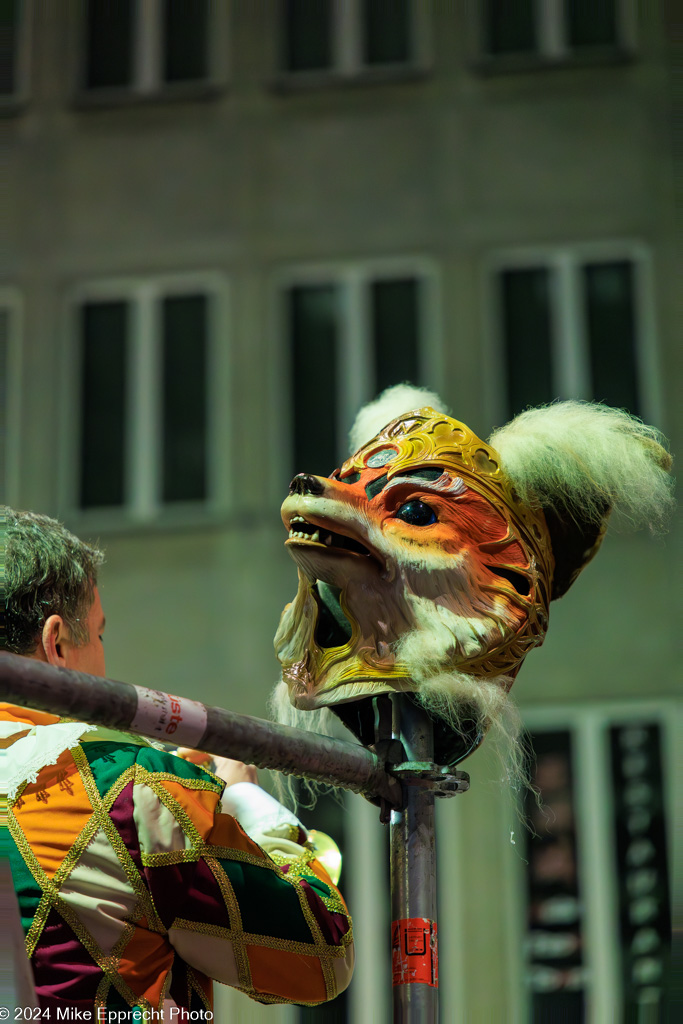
<point>228,225</point>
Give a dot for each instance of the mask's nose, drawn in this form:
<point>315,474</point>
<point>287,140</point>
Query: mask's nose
<point>304,483</point>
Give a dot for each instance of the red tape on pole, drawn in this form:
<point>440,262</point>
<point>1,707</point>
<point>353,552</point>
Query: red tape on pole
<point>414,952</point>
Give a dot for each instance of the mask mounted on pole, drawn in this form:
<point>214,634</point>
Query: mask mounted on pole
<point>427,562</point>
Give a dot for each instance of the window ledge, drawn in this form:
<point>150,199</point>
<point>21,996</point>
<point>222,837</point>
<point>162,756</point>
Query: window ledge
<point>288,82</point>
<point>98,99</point>
<point>490,66</point>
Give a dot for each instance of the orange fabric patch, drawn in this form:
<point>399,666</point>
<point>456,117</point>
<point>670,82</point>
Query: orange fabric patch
<point>144,964</point>
<point>199,804</point>
<point>53,811</point>
<point>226,831</point>
<point>12,713</point>
<point>293,975</point>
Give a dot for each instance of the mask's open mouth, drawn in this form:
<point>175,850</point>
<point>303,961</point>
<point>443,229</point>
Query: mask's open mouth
<point>302,531</point>
<point>332,628</point>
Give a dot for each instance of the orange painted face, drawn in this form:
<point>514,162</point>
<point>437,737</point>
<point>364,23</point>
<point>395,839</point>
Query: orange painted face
<point>417,535</point>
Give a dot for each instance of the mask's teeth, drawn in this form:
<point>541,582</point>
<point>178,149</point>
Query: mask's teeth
<point>315,536</point>
<point>328,539</point>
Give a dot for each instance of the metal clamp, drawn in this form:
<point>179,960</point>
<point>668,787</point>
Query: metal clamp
<point>440,779</point>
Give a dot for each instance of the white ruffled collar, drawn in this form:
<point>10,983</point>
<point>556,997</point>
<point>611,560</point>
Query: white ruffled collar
<point>43,745</point>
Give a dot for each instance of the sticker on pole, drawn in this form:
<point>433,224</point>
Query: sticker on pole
<point>414,952</point>
<point>169,718</point>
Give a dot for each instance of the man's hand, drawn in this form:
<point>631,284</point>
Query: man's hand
<point>224,767</point>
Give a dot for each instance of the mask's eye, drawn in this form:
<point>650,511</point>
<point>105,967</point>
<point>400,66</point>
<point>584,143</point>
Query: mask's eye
<point>416,513</point>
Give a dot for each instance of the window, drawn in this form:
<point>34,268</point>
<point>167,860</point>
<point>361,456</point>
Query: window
<point>148,46</point>
<point>14,21</point>
<point>553,30</point>
<point>348,336</point>
<point>349,37</point>
<point>10,310</point>
<point>597,864</point>
<point>147,363</point>
<point>576,324</point>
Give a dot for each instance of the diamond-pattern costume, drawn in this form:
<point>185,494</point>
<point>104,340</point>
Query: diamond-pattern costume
<point>136,888</point>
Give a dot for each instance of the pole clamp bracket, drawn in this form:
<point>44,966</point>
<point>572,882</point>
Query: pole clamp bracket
<point>440,779</point>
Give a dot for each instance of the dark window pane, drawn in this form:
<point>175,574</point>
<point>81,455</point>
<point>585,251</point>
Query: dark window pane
<point>554,919</point>
<point>104,330</point>
<point>186,25</point>
<point>109,44</point>
<point>184,327</point>
<point>313,327</point>
<point>510,26</point>
<point>307,35</point>
<point>641,870</point>
<point>610,317</point>
<point>395,331</point>
<point>591,22</point>
<point>527,330</point>
<point>9,28</point>
<point>386,31</point>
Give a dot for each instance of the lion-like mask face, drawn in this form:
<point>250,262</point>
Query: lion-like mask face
<point>416,549</point>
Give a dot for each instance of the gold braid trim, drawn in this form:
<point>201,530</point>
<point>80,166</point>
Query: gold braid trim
<point>315,949</point>
<point>235,918</point>
<point>107,825</point>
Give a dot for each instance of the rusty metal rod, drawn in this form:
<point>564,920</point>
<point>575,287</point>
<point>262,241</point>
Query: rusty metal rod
<point>118,705</point>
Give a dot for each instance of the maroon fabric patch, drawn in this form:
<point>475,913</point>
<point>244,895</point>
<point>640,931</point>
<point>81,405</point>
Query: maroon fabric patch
<point>203,899</point>
<point>333,926</point>
<point>65,973</point>
<point>168,886</point>
<point>121,814</point>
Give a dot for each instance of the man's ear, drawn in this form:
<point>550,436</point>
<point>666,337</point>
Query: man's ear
<point>55,636</point>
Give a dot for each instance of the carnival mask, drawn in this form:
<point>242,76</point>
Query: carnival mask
<point>421,570</point>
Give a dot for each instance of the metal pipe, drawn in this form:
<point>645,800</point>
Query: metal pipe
<point>413,879</point>
<point>159,715</point>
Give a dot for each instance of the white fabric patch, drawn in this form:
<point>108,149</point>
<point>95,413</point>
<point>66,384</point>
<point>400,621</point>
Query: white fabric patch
<point>208,953</point>
<point>169,718</point>
<point>158,830</point>
<point>99,892</point>
<point>256,810</point>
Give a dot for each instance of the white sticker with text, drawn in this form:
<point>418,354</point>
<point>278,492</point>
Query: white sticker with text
<point>162,715</point>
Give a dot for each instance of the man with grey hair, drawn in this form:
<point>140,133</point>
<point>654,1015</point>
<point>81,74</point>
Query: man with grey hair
<point>135,881</point>
<point>53,610</point>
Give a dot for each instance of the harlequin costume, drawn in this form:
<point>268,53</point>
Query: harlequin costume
<point>137,885</point>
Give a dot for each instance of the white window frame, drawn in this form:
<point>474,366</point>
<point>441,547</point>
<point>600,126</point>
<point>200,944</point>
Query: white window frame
<point>570,355</point>
<point>354,368</point>
<point>347,62</point>
<point>553,46</point>
<point>143,504</point>
<point>147,81</point>
<point>22,56</point>
<point>11,303</point>
<point>588,724</point>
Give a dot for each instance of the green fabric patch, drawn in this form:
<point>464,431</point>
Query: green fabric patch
<point>159,761</point>
<point>108,760</point>
<point>29,893</point>
<point>268,903</point>
<point>316,883</point>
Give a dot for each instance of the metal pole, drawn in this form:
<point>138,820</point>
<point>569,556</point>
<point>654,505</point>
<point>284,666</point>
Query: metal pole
<point>413,879</point>
<point>189,723</point>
